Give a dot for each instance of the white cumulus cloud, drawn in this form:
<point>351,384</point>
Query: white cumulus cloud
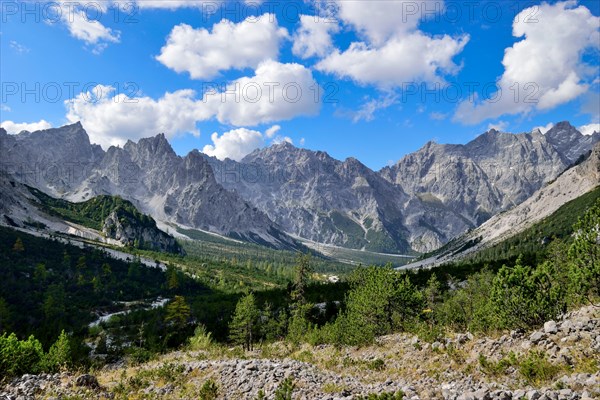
<point>83,23</point>
<point>234,144</point>
<point>204,54</point>
<point>544,129</point>
<point>272,131</point>
<point>589,129</point>
<point>276,92</point>
<point>237,143</point>
<point>380,20</point>
<point>175,4</point>
<point>546,66</point>
<point>112,118</point>
<point>14,127</point>
<point>313,37</point>
<point>402,59</point>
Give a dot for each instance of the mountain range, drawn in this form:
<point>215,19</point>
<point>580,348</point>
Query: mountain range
<point>281,195</point>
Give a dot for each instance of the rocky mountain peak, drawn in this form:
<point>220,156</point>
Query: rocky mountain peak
<point>569,142</point>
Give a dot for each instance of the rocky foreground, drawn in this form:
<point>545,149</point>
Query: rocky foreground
<point>558,362</point>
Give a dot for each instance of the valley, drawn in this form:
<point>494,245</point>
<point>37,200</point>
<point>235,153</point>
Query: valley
<point>341,315</point>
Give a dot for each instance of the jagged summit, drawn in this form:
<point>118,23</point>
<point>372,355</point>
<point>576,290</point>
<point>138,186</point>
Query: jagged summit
<point>424,200</point>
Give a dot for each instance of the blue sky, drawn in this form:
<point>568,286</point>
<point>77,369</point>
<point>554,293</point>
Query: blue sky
<point>391,74</point>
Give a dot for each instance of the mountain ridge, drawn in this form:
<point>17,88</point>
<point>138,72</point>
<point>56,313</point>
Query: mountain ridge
<point>420,203</point>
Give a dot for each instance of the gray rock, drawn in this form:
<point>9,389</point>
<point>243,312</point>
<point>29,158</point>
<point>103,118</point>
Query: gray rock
<point>537,337</point>
<point>87,380</point>
<point>550,327</point>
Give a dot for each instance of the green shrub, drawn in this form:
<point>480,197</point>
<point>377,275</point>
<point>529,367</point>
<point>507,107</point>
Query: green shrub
<point>209,390</point>
<point>59,355</point>
<point>524,297</point>
<point>536,368</point>
<point>285,389</point>
<point>19,357</point>
<point>376,365</point>
<point>202,339</point>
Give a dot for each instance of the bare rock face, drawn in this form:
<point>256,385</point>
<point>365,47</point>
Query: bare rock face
<point>316,197</point>
<point>130,232</point>
<point>419,204</point>
<point>53,160</point>
<point>569,142</point>
<point>576,181</point>
<point>63,163</point>
<point>468,184</point>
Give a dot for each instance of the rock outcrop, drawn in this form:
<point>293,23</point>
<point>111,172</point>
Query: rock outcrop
<point>129,232</point>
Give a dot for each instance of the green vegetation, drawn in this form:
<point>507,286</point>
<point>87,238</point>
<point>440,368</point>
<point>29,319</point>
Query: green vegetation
<point>93,212</point>
<point>285,389</point>
<point>18,357</point>
<point>222,301</point>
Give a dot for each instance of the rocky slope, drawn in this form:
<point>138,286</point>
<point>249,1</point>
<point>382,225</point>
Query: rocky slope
<point>460,367</point>
<point>26,208</point>
<point>148,173</point>
<point>316,197</point>
<point>490,174</point>
<point>571,184</point>
<point>128,231</point>
<point>426,199</point>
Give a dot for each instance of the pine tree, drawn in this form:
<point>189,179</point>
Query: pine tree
<point>18,247</point>
<point>303,272</point>
<point>178,312</point>
<point>585,253</point>
<point>59,355</point>
<point>243,326</point>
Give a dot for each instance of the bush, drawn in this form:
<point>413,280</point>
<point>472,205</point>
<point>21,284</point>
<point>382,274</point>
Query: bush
<point>285,389</point>
<point>535,368</point>
<point>19,357</point>
<point>523,296</point>
<point>209,390</point>
<point>202,339</point>
<point>380,300</point>
<point>59,355</point>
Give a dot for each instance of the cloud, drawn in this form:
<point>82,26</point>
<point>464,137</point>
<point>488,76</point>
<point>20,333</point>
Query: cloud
<point>405,58</point>
<point>438,116</point>
<point>313,38</point>
<point>589,129</point>
<point>18,47</point>
<point>276,92</point>
<point>544,129</point>
<point>5,108</point>
<point>547,65</point>
<point>205,54</point>
<point>367,110</point>
<point>88,29</point>
<point>283,139</point>
<point>14,128</point>
<point>175,4</point>
<point>235,144</point>
<point>112,118</point>
<point>499,126</point>
<point>272,131</point>
<point>380,20</point>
